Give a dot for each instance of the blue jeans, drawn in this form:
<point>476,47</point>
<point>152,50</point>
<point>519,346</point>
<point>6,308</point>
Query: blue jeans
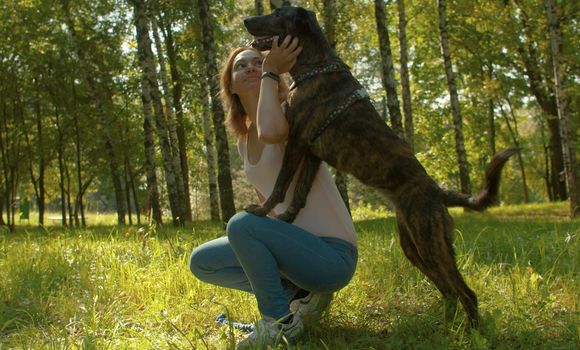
<point>273,260</point>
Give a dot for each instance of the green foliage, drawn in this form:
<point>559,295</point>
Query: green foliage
<point>41,71</point>
<point>109,287</point>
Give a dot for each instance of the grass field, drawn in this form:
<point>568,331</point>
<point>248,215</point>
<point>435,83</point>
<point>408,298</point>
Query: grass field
<point>109,287</point>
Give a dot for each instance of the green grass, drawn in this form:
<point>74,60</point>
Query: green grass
<point>108,287</point>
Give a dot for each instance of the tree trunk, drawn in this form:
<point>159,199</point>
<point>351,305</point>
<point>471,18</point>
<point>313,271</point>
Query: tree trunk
<point>210,156</point>
<point>566,127</point>
<point>60,157</point>
<point>490,116</point>
<point>100,104</point>
<point>224,175</point>
<point>4,198</point>
<point>547,101</point>
<point>259,6</point>
<point>78,161</point>
<point>153,203</point>
<point>274,4</point>
<point>143,43</point>
<point>388,70</point>
<point>134,193</point>
<point>180,120</point>
<point>41,192</point>
<point>183,194</point>
<point>514,133</point>
<point>329,20</point>
<point>72,220</point>
<point>172,174</point>
<point>455,108</point>
<point>128,191</point>
<point>405,80</point>
<point>37,182</point>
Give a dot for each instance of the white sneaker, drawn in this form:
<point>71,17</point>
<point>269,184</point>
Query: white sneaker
<point>270,332</point>
<point>311,307</point>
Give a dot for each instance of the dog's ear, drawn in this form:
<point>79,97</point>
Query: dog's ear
<point>307,19</point>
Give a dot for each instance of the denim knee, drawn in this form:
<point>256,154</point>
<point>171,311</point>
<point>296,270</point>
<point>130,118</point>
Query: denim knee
<point>238,225</point>
<point>198,263</point>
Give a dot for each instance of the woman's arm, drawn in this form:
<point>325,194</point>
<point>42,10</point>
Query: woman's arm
<point>271,121</point>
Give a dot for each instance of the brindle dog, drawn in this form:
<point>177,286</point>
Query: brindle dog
<point>329,122</point>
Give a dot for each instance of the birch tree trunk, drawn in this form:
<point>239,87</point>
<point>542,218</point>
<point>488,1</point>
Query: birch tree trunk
<point>388,70</point>
<point>455,108</point>
<point>566,127</point>
<point>223,154</point>
<point>180,120</point>
<point>153,203</point>
<point>183,191</point>
<point>171,166</point>
<point>152,185</point>
<point>101,106</point>
<point>329,20</point>
<point>210,156</point>
<point>405,80</point>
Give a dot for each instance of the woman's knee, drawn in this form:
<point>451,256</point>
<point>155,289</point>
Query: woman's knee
<point>200,262</point>
<point>240,225</point>
<point>196,262</point>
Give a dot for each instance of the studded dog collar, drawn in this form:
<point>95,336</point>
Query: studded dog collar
<point>335,67</point>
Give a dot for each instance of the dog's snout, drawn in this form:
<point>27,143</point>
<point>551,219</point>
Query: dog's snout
<point>248,22</point>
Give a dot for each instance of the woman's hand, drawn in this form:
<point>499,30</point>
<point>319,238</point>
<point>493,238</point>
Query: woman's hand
<point>281,58</point>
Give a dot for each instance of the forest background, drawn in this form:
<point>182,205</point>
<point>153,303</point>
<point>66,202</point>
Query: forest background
<point>110,105</point>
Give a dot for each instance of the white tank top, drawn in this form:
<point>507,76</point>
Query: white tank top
<point>324,215</point>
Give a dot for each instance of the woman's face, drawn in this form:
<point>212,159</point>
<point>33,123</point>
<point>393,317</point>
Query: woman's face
<point>246,72</point>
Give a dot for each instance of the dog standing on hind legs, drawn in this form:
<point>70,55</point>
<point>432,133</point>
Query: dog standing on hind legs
<point>331,119</point>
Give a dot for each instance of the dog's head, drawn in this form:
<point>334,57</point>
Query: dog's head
<point>287,20</point>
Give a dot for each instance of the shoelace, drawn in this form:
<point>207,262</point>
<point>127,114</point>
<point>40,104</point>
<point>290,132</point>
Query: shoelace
<point>244,327</point>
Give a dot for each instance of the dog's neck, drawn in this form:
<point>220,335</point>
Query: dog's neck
<point>316,53</point>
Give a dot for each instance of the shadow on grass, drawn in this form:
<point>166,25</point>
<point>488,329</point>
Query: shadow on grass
<point>427,330</point>
<point>26,299</point>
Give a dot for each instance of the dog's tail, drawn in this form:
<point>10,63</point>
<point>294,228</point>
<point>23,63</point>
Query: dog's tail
<point>488,195</point>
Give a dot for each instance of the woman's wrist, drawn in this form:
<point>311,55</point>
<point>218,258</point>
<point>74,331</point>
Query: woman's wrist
<point>271,75</point>
<point>269,68</point>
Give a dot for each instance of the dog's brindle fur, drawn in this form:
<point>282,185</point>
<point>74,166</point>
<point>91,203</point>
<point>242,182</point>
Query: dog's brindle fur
<point>361,144</point>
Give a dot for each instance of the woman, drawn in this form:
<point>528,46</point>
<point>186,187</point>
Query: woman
<point>291,268</point>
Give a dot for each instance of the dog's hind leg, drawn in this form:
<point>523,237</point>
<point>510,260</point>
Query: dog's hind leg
<point>306,177</point>
<point>411,252</point>
<point>449,267</point>
<point>436,250</point>
<point>293,156</point>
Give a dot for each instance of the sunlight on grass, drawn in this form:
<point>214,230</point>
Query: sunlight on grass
<point>109,287</point>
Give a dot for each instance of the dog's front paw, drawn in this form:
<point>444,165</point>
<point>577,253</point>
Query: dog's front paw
<point>256,210</point>
<point>287,216</point>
